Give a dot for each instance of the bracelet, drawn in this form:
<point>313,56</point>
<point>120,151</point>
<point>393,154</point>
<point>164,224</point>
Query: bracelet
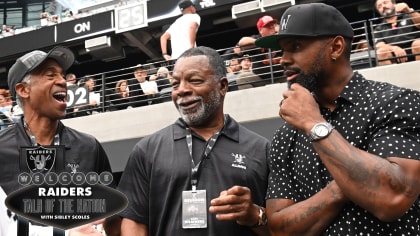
<point>164,54</point>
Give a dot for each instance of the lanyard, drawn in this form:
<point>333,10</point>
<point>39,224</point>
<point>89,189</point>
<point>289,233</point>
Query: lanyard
<point>196,167</point>
<point>33,139</point>
<point>23,224</point>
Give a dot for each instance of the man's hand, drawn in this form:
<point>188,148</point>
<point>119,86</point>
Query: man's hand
<point>167,57</point>
<point>402,8</point>
<point>236,204</point>
<point>299,108</point>
<point>91,229</point>
<point>400,53</point>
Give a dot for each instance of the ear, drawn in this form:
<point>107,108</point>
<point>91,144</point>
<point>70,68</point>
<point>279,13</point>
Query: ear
<point>23,89</point>
<point>338,46</point>
<point>223,85</point>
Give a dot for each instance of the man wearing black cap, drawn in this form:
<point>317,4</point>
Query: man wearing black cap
<point>346,161</point>
<point>37,84</point>
<point>182,32</point>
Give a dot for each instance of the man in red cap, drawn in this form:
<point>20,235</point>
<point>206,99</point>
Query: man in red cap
<point>266,26</point>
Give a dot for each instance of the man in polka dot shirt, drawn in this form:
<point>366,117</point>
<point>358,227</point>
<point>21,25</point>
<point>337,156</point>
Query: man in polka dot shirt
<point>346,160</point>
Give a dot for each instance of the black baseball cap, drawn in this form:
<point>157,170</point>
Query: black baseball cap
<point>28,62</point>
<point>184,4</point>
<point>308,20</point>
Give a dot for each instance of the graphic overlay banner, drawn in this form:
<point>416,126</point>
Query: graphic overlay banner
<point>66,200</point>
<point>66,207</point>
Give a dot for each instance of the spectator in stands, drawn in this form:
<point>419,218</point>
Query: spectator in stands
<point>234,65</point>
<point>226,196</point>
<point>142,91</point>
<point>346,161</point>
<point>266,26</point>
<point>55,19</point>
<point>182,33</point>
<point>398,37</point>
<point>246,63</point>
<point>6,94</point>
<point>120,99</point>
<point>362,46</point>
<point>246,77</point>
<point>6,31</point>
<point>44,18</point>
<point>5,116</point>
<point>163,80</point>
<point>10,114</point>
<point>16,113</point>
<point>68,15</point>
<point>71,80</point>
<point>12,30</point>
<point>94,98</point>
<point>232,73</point>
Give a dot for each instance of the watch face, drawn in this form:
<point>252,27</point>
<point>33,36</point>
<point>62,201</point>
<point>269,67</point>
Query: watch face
<point>321,130</point>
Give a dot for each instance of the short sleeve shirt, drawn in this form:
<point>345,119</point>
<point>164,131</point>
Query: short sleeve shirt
<point>159,169</point>
<point>148,86</point>
<point>373,116</point>
<point>180,33</point>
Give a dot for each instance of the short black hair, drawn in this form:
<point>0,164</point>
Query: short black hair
<point>215,60</point>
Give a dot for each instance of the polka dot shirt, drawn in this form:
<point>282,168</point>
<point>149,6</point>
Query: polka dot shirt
<point>377,117</point>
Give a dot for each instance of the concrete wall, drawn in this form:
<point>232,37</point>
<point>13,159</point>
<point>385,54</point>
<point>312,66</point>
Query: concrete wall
<point>256,108</point>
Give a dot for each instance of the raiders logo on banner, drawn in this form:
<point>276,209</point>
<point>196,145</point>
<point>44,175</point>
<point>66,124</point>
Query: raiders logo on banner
<point>41,159</point>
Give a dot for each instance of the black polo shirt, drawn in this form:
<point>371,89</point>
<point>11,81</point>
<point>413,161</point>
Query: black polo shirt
<point>159,169</point>
<point>377,117</point>
<point>83,153</point>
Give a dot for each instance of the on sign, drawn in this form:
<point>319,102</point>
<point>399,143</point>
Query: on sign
<point>82,27</point>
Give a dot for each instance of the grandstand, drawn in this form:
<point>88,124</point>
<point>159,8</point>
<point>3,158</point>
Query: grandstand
<point>256,108</point>
<point>113,53</point>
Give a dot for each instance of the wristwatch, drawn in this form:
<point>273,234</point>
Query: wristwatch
<point>320,131</point>
<point>262,218</point>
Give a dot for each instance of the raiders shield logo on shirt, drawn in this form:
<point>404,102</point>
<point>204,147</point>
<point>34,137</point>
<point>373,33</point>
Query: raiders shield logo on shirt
<point>40,159</point>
